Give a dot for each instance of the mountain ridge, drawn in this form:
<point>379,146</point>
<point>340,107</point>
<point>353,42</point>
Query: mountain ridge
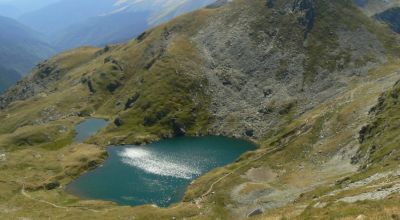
<point>301,78</point>
<point>110,22</point>
<point>21,49</point>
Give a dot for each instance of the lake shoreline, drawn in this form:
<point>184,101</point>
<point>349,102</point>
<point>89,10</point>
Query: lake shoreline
<point>181,172</point>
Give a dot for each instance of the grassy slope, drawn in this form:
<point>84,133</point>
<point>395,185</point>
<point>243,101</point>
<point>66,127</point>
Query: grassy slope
<point>379,150</point>
<point>323,47</point>
<point>302,157</point>
<point>171,87</point>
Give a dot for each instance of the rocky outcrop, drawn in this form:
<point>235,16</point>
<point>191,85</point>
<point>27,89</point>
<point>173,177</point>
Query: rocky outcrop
<point>118,122</point>
<point>112,86</point>
<point>178,128</point>
<point>52,185</point>
<point>44,74</point>
<point>44,78</point>
<point>131,101</point>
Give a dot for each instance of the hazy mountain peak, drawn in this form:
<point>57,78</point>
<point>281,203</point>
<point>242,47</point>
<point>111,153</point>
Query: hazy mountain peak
<point>72,23</point>
<point>21,48</point>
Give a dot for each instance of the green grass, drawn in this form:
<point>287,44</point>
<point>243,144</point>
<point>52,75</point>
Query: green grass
<point>323,48</point>
<point>382,138</point>
<point>383,209</point>
<point>166,70</point>
<point>60,142</point>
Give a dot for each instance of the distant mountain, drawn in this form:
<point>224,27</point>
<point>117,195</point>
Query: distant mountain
<point>15,8</point>
<point>7,78</point>
<point>387,11</point>
<point>102,30</point>
<point>73,23</point>
<point>391,17</point>
<point>20,50</point>
<point>9,10</point>
<point>58,16</point>
<point>311,82</point>
<point>162,10</point>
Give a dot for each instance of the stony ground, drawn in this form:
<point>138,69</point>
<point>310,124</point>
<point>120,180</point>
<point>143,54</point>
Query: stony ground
<point>300,79</point>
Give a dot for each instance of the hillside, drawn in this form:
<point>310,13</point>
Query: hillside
<point>20,50</point>
<point>302,79</point>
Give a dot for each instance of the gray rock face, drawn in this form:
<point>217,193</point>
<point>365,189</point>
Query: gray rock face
<point>241,61</point>
<point>255,64</point>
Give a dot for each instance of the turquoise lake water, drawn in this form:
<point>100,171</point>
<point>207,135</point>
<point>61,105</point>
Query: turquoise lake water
<point>158,173</point>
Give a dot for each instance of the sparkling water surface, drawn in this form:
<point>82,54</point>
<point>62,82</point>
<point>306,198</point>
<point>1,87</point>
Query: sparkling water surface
<point>158,173</point>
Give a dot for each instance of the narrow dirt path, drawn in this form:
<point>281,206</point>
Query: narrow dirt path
<point>67,208</point>
<point>209,191</point>
<point>26,195</point>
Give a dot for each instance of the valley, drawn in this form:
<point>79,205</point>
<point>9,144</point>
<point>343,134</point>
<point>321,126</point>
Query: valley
<point>313,83</point>
<point>21,48</point>
<point>28,36</point>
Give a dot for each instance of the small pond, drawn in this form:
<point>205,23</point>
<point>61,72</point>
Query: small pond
<point>88,128</point>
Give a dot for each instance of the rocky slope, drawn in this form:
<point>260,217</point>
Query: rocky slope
<point>299,77</point>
